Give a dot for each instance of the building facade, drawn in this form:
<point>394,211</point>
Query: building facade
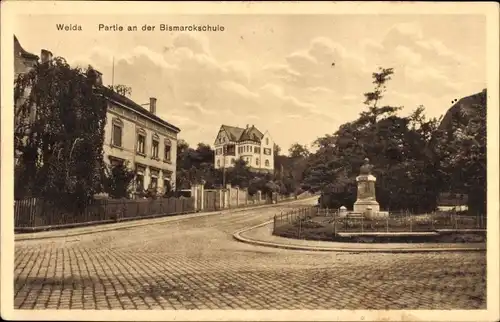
<point>133,135</point>
<point>137,137</point>
<point>249,144</point>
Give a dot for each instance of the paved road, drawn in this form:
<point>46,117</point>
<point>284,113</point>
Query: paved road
<point>195,264</point>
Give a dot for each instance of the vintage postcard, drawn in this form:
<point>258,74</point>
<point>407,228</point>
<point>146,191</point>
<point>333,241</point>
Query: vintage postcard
<point>240,161</point>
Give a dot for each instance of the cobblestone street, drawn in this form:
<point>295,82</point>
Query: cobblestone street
<point>195,263</point>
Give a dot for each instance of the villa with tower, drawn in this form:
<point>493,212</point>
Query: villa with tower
<point>249,144</point>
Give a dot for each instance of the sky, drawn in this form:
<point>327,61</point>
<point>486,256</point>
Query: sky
<point>274,71</point>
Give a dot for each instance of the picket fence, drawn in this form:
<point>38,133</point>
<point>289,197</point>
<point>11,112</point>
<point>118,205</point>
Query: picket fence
<point>35,214</point>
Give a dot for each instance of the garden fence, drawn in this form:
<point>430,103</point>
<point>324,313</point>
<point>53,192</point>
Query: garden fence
<point>403,221</point>
<point>36,214</point>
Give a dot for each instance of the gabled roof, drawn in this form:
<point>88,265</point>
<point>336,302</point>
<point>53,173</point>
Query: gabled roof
<point>110,94</point>
<point>19,51</point>
<point>251,134</point>
<point>238,134</point>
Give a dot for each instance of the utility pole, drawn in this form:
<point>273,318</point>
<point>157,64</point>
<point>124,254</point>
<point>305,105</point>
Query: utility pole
<point>113,73</point>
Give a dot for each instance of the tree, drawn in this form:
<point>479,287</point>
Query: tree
<point>119,181</point>
<point>462,157</point>
<point>397,146</point>
<point>121,89</point>
<point>59,133</point>
<point>195,165</point>
<point>240,174</point>
<point>276,149</point>
<point>298,151</point>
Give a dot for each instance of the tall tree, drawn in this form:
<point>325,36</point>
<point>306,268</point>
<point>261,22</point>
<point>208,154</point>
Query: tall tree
<point>397,146</point>
<point>59,133</point>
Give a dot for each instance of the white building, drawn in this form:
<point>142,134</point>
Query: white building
<point>249,144</point>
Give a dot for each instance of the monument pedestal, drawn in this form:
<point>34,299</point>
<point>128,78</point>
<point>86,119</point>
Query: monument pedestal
<point>366,202</point>
<point>362,206</point>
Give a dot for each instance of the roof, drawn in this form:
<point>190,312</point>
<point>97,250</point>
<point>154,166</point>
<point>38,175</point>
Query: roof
<point>238,134</point>
<point>136,107</point>
<point>19,50</point>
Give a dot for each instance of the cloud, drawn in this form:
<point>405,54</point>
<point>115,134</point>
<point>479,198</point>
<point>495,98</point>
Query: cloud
<point>235,88</point>
<point>406,55</point>
<point>314,87</point>
<point>196,43</point>
<point>197,109</point>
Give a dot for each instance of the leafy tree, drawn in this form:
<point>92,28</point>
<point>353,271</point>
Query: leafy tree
<point>397,146</point>
<point>276,149</point>
<point>240,174</point>
<point>121,89</point>
<point>462,157</point>
<point>59,133</point>
<point>195,165</point>
<point>298,151</point>
<point>119,181</point>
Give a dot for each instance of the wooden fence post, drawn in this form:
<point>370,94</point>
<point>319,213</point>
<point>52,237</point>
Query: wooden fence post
<point>411,220</point>
<point>300,226</point>
<point>335,223</point>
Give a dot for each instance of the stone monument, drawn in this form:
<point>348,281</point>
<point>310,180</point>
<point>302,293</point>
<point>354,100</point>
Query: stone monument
<point>366,202</point>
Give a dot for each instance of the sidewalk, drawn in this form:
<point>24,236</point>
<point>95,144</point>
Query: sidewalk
<point>136,223</point>
<point>262,235</point>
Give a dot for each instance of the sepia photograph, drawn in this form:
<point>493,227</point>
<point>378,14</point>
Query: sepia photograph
<point>240,161</point>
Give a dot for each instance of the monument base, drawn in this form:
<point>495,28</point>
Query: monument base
<point>360,206</point>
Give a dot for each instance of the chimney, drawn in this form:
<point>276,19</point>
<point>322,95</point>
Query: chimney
<point>152,105</point>
<point>46,56</point>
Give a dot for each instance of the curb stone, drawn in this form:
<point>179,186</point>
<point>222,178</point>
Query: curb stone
<point>239,237</point>
<point>138,223</point>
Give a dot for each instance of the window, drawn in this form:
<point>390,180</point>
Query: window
<point>233,161</point>
<point>257,161</point>
<point>139,178</point>
<point>218,163</point>
<point>139,181</point>
<point>256,150</point>
<point>168,150</point>
<point>116,137</point>
<point>167,187</point>
<point>141,142</point>
<point>154,183</point>
<point>230,149</point>
<point>156,149</point>
<point>267,151</point>
<point>218,151</point>
<point>267,141</point>
<point>115,162</point>
<point>266,163</point>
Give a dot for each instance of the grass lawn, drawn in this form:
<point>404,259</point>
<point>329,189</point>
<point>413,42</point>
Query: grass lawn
<point>324,228</point>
